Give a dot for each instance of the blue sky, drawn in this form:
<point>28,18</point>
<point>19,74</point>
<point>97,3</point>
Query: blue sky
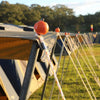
<point>79,6</point>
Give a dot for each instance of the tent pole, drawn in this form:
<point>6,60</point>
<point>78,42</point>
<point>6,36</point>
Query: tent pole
<point>30,66</point>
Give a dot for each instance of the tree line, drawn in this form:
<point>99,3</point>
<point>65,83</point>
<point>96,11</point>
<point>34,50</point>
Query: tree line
<point>56,16</point>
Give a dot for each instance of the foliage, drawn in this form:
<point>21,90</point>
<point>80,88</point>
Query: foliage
<point>56,16</point>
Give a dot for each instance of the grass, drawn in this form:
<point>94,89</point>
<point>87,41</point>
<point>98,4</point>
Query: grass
<point>72,85</point>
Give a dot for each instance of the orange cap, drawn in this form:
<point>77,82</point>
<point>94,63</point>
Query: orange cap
<point>57,29</point>
<point>66,33</point>
<point>41,27</point>
<point>76,35</point>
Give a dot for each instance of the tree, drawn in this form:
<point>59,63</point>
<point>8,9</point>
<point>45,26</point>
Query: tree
<point>61,15</point>
<point>56,16</point>
<point>4,3</point>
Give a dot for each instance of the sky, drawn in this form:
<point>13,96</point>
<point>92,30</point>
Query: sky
<point>82,7</point>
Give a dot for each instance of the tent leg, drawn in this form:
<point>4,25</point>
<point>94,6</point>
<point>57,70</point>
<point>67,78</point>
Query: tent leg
<point>47,73</point>
<point>30,66</point>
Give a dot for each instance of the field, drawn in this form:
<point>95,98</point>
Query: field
<point>72,85</point>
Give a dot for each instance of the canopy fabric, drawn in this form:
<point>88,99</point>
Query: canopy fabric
<point>14,48</point>
<point>17,45</point>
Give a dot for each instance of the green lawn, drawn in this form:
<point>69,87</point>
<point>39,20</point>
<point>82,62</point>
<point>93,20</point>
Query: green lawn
<point>72,85</point>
